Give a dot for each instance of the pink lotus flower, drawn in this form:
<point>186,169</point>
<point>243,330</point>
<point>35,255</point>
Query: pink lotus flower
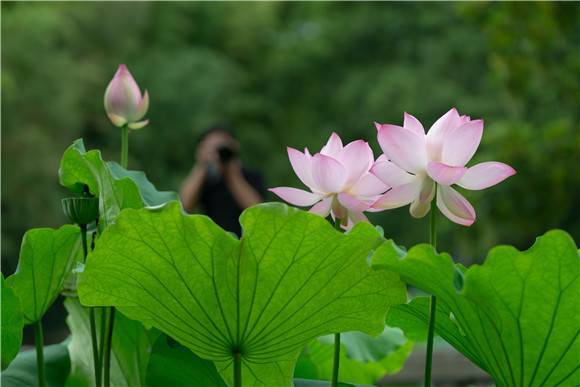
<point>339,179</point>
<point>416,165</point>
<point>123,101</point>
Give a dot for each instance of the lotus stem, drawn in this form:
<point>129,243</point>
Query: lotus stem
<point>102,339</point>
<point>336,360</point>
<point>110,324</point>
<point>39,341</point>
<point>124,146</point>
<point>92,323</point>
<point>96,358</point>
<point>433,300</point>
<point>237,369</point>
<point>108,347</point>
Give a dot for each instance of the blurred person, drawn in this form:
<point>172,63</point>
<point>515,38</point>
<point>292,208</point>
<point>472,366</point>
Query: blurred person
<point>219,183</point>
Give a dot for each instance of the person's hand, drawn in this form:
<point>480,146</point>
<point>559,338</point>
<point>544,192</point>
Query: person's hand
<point>233,168</point>
<point>206,153</point>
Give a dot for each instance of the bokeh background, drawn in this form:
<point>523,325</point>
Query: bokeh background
<point>290,74</point>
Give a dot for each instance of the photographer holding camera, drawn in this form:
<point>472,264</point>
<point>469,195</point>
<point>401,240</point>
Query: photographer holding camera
<point>219,183</point>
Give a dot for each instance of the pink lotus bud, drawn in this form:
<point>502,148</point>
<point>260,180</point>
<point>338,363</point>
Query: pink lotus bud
<point>124,103</point>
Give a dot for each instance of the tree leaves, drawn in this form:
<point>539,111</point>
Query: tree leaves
<point>516,316</point>
<point>291,278</point>
<point>46,259</point>
<point>11,324</point>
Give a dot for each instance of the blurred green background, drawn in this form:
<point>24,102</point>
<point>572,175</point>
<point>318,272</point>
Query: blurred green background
<point>289,74</point>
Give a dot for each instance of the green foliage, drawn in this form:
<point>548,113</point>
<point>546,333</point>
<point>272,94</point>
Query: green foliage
<point>11,324</point>
<point>291,278</point>
<point>132,345</point>
<point>22,371</point>
<point>287,74</point>
<point>177,366</point>
<point>46,260</point>
<point>317,383</point>
<point>149,194</point>
<point>79,167</point>
<point>364,359</point>
<point>116,187</point>
<point>516,316</point>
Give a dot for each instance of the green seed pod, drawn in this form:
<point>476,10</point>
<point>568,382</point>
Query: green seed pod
<point>81,210</point>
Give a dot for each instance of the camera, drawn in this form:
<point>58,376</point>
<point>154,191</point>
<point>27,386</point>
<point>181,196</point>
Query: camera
<point>226,153</point>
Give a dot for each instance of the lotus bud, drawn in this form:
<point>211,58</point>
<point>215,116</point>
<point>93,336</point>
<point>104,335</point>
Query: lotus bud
<point>124,103</point>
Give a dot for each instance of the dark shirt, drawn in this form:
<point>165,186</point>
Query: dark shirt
<point>219,204</point>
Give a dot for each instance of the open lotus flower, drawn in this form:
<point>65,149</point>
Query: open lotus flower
<point>123,100</point>
<point>339,179</point>
<point>416,165</point>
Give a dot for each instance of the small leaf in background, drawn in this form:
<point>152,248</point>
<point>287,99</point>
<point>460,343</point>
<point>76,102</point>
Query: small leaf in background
<point>177,366</point>
<point>516,316</point>
<point>364,359</point>
<point>22,371</point>
<point>46,260</point>
<point>79,167</point>
<point>116,187</point>
<point>130,355</point>
<point>149,194</point>
<point>291,278</point>
<point>11,324</point>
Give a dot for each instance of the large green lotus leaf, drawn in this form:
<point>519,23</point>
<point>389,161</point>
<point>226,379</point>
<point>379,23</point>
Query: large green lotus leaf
<point>364,359</point>
<point>516,316</point>
<point>413,317</point>
<point>46,260</point>
<point>131,349</point>
<point>11,324</point>
<point>149,194</point>
<point>177,366</point>
<point>291,278</point>
<point>22,371</point>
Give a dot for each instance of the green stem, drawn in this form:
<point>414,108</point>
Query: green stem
<point>102,336</point>
<point>96,358</point>
<point>84,240</point>
<point>124,146</point>
<point>92,323</point>
<point>237,369</point>
<point>336,360</point>
<point>110,324</point>
<point>429,359</point>
<point>433,225</point>
<point>108,347</point>
<point>39,341</point>
<point>433,301</point>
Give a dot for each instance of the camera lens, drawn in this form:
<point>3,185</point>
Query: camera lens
<point>225,153</point>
